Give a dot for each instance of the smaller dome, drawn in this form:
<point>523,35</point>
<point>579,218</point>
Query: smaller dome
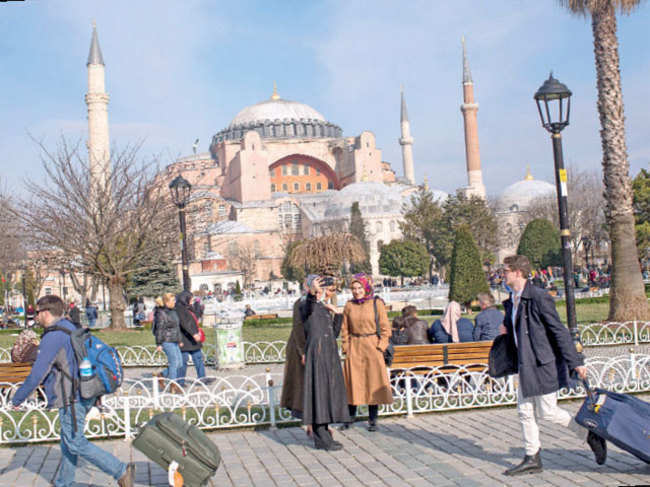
<point>518,196</point>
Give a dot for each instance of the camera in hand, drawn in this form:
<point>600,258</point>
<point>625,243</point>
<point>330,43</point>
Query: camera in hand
<point>327,281</point>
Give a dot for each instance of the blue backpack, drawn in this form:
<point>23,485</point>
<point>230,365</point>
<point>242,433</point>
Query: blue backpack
<point>106,365</point>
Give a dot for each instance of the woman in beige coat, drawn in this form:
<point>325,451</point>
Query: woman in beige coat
<point>365,373</point>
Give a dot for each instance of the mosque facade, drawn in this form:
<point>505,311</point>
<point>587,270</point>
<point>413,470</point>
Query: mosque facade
<point>281,171</point>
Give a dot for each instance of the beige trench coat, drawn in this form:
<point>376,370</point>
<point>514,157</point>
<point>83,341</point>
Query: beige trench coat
<point>364,370</point>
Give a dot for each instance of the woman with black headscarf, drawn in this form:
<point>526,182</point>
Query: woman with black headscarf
<point>190,336</point>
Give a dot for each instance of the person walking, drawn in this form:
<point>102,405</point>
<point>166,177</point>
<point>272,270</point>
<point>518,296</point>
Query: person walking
<point>55,367</point>
<point>488,320</point>
<point>168,339</point>
<point>74,314</point>
<point>190,337</point>
<point>545,354</point>
<point>364,370</point>
<point>325,400</point>
<point>91,313</point>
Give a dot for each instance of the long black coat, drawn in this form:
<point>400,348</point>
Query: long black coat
<point>544,346</point>
<point>325,399</point>
<point>187,322</point>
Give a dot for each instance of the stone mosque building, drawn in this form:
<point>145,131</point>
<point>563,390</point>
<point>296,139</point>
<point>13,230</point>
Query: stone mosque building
<point>281,171</point>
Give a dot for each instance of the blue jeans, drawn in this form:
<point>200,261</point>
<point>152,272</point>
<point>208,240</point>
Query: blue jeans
<point>174,360</point>
<point>75,445</point>
<point>197,358</point>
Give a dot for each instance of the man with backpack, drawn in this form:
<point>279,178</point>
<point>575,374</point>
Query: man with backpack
<point>57,369</point>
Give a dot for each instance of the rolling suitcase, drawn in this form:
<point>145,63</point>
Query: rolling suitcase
<point>166,438</point>
<point>619,418</point>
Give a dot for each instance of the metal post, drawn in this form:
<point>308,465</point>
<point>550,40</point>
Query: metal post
<point>565,233</point>
<point>24,299</point>
<point>184,258</point>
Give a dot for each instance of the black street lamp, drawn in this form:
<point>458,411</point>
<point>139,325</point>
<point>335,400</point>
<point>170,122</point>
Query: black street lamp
<point>180,189</point>
<point>554,105</point>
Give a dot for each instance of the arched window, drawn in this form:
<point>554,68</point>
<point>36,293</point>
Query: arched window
<point>296,187</point>
<point>272,188</point>
<point>307,186</point>
<point>392,225</point>
<point>319,186</point>
<point>379,227</point>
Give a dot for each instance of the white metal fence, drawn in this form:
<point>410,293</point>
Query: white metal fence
<point>243,401</point>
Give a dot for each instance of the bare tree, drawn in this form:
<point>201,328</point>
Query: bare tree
<point>12,237</point>
<point>585,209</point>
<point>104,229</point>
<point>246,261</point>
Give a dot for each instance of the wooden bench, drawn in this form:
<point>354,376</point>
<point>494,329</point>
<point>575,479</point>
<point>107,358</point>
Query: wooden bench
<point>419,358</point>
<point>270,316</point>
<point>14,372</point>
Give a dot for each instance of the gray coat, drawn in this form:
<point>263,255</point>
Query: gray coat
<point>544,346</point>
<point>487,324</point>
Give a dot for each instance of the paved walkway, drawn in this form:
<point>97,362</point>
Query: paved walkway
<point>465,448</point>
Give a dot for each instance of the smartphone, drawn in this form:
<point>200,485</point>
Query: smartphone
<point>327,281</point>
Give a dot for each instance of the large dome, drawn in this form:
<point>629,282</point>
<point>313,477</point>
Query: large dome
<point>276,109</point>
<point>518,196</point>
<point>279,119</point>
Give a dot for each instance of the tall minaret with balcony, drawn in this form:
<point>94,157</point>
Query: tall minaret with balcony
<point>406,141</point>
<point>469,108</point>
<point>99,155</point>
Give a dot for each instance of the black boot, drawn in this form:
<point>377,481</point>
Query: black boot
<point>373,412</point>
<point>530,464</point>
<point>323,439</point>
<point>352,411</point>
<point>598,445</point>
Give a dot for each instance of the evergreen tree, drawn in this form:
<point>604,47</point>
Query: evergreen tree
<point>358,229</point>
<point>540,242</point>
<point>467,277</point>
<point>403,258</point>
<point>156,279</point>
<point>420,216</point>
<point>237,288</point>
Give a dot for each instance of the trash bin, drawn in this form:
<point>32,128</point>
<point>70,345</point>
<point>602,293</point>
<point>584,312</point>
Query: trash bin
<point>229,349</point>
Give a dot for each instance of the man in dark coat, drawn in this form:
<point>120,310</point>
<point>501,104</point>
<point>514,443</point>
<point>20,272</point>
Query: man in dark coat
<point>544,351</point>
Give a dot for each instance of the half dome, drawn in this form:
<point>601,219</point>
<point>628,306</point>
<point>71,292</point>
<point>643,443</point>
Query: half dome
<point>519,196</point>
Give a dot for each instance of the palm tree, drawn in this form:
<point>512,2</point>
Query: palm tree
<point>627,294</point>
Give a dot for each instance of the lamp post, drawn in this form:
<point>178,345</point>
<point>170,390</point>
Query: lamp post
<point>554,105</point>
<point>180,189</point>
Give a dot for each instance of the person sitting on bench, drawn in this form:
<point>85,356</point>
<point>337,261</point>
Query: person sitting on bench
<point>452,328</point>
<point>416,329</point>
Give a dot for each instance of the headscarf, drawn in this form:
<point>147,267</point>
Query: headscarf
<point>184,298</point>
<point>450,318</point>
<point>309,280</point>
<point>366,281</point>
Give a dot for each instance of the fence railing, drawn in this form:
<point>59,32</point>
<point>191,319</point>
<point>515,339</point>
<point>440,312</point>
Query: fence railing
<point>243,401</point>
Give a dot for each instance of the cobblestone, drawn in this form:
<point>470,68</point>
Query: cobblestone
<point>464,448</point>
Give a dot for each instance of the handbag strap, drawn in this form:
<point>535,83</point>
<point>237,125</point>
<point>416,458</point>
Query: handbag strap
<point>374,303</point>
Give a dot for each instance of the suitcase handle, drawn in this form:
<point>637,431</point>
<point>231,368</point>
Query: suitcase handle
<point>590,393</point>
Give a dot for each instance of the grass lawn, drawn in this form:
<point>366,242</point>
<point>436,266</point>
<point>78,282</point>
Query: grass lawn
<point>258,331</point>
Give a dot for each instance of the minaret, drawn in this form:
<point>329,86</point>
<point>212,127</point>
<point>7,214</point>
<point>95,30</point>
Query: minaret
<point>406,141</point>
<point>99,154</point>
<point>472,154</point>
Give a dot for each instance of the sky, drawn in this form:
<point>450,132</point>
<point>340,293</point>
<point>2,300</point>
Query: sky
<point>177,71</point>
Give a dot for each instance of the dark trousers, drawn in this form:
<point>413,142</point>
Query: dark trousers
<point>322,436</point>
<point>373,412</point>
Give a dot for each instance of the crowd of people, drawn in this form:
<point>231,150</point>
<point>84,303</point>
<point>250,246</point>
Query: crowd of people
<point>319,388</point>
<point>321,392</point>
<point>408,329</point>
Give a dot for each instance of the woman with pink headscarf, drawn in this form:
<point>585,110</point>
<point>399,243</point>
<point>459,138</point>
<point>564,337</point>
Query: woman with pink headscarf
<point>364,370</point>
<point>452,328</point>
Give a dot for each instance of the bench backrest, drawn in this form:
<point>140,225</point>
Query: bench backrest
<point>14,372</point>
<point>440,355</point>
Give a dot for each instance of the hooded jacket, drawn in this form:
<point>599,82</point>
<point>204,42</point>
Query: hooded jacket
<point>188,322</point>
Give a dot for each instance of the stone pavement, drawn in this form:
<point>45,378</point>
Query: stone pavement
<point>464,448</point>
